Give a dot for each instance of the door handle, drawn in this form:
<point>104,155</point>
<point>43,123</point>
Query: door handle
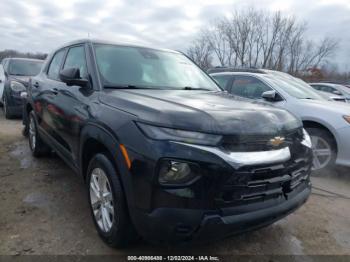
<point>36,85</point>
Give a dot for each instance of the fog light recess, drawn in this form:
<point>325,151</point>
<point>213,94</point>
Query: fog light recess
<point>173,172</point>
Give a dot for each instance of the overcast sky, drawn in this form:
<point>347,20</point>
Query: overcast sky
<point>42,25</point>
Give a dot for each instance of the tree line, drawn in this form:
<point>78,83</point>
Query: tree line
<point>13,53</point>
<point>261,39</point>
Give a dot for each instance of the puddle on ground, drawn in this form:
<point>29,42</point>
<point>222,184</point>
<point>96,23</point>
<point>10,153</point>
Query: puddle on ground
<point>22,152</point>
<point>36,199</point>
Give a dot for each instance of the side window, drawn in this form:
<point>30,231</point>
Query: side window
<point>222,80</point>
<point>55,65</point>
<point>333,90</point>
<point>76,59</point>
<point>317,87</point>
<point>249,87</point>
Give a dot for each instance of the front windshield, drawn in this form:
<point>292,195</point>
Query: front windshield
<point>24,67</point>
<point>149,68</point>
<point>294,87</point>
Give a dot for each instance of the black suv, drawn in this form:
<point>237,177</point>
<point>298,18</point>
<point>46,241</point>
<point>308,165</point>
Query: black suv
<point>17,74</point>
<point>165,153</point>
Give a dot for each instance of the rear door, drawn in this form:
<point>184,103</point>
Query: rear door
<point>44,90</point>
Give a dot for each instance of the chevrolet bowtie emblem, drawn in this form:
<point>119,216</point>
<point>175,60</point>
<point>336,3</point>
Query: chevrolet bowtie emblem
<point>277,141</point>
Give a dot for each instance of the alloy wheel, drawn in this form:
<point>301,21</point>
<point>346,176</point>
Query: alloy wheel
<point>101,200</point>
<point>322,152</point>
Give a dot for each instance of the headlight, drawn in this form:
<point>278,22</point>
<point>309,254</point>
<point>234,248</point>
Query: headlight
<point>163,133</point>
<point>17,86</point>
<point>347,119</point>
<point>307,139</point>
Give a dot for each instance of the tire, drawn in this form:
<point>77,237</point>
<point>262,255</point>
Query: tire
<point>324,148</point>
<point>36,144</point>
<point>7,112</point>
<point>117,229</point>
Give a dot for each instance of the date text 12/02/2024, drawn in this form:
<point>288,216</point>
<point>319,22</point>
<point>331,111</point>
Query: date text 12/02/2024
<point>173,258</point>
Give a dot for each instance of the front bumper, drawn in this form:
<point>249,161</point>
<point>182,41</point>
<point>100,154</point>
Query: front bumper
<point>229,198</point>
<point>343,138</point>
<point>168,225</point>
<point>14,103</point>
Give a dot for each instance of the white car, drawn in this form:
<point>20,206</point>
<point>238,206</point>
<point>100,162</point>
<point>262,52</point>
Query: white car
<point>333,89</point>
<point>327,122</point>
<point>2,80</point>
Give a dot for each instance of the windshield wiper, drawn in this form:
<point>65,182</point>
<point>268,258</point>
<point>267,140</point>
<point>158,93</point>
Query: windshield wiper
<point>125,87</point>
<point>194,88</point>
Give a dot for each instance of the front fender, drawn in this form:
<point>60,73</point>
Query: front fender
<point>110,141</point>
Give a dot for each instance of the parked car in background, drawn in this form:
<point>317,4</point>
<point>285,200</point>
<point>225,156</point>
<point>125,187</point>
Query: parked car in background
<point>332,97</point>
<point>162,148</point>
<point>328,123</point>
<point>17,73</point>
<point>333,89</point>
<point>2,81</point>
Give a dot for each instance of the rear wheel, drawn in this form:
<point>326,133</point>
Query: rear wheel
<point>107,203</point>
<point>36,144</point>
<point>324,149</point>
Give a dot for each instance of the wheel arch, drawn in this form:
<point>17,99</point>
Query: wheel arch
<point>316,124</point>
<point>97,139</point>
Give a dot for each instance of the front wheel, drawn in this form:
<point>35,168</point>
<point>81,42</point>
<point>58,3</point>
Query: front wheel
<point>107,203</point>
<point>324,149</point>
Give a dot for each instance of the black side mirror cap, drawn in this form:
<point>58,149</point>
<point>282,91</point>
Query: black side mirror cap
<point>71,76</point>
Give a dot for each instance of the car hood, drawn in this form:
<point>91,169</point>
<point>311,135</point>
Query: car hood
<point>211,112</point>
<point>330,106</point>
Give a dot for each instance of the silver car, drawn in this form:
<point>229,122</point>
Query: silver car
<point>327,122</point>
<point>333,89</point>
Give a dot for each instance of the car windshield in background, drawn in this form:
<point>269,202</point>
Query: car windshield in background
<point>24,68</point>
<point>135,67</point>
<point>294,87</point>
<point>345,90</point>
<point>222,80</point>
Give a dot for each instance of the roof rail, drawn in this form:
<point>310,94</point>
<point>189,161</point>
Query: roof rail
<point>220,69</point>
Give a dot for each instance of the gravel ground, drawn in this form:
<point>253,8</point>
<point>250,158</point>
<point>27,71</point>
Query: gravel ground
<point>44,210</point>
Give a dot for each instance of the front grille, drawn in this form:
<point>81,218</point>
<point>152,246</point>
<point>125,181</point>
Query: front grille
<point>251,143</point>
<point>256,184</point>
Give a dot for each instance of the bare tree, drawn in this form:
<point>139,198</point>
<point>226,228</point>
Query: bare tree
<point>200,53</point>
<point>260,39</point>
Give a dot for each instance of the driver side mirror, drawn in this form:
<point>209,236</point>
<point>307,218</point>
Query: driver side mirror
<point>336,92</point>
<point>270,95</point>
<point>71,76</point>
